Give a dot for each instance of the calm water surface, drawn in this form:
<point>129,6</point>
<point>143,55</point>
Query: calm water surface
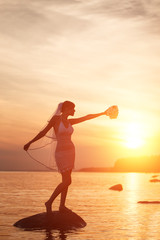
<point>109,214</point>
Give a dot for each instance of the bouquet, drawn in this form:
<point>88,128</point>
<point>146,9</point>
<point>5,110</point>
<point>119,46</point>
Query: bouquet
<point>112,112</point>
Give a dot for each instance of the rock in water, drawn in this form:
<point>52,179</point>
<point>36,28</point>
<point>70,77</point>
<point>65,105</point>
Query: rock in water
<point>57,220</point>
<point>149,202</point>
<point>154,180</point>
<point>154,176</point>
<point>117,187</point>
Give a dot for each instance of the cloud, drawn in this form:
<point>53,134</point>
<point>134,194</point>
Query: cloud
<point>34,22</point>
<point>125,8</point>
<point>95,53</point>
<point>145,12</point>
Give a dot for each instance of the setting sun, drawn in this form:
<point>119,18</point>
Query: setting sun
<point>134,136</point>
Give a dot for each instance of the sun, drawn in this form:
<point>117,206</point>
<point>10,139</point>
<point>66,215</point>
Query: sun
<point>134,136</point>
<point>134,142</point>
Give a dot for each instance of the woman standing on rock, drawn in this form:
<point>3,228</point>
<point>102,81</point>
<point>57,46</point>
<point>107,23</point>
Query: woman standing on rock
<point>65,150</point>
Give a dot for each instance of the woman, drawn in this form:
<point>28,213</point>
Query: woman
<point>65,150</point>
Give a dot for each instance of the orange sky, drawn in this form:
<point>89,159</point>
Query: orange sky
<point>93,53</point>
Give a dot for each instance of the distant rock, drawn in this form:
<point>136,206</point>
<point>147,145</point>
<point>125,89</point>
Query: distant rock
<point>57,220</point>
<point>149,202</point>
<point>154,176</point>
<point>154,180</point>
<point>117,187</point>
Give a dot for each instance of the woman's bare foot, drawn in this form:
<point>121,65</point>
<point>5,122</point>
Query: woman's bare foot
<point>48,207</point>
<point>64,209</point>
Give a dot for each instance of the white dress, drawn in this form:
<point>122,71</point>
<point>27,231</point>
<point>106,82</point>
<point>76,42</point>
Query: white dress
<point>65,149</point>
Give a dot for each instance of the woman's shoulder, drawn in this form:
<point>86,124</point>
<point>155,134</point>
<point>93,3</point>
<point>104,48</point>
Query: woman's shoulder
<point>55,119</point>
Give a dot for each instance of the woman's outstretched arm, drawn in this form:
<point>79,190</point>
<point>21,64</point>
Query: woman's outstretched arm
<point>40,134</point>
<point>87,117</point>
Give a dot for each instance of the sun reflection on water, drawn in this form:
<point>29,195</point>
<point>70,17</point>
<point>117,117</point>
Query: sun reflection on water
<point>109,214</point>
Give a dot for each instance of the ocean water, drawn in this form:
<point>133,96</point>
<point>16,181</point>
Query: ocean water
<point>109,214</point>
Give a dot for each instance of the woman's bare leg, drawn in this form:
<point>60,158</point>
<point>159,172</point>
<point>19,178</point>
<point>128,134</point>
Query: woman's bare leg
<point>62,187</point>
<point>63,197</point>
<point>62,206</point>
<point>56,192</point>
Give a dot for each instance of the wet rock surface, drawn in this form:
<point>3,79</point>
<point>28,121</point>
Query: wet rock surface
<point>56,220</point>
<point>117,187</point>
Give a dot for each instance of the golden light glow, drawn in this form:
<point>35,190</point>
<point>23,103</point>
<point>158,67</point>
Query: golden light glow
<point>51,62</point>
<point>134,136</point>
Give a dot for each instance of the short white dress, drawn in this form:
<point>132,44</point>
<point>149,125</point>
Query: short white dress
<point>65,149</point>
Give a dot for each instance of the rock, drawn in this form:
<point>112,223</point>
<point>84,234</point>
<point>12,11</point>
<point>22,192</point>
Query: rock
<point>57,220</point>
<point>117,187</point>
<point>154,176</point>
<point>154,180</point>
<point>151,202</point>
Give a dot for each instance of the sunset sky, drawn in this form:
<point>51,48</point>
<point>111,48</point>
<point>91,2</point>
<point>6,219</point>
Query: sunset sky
<point>95,53</point>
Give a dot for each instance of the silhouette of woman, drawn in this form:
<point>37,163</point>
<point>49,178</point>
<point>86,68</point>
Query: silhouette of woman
<point>65,150</point>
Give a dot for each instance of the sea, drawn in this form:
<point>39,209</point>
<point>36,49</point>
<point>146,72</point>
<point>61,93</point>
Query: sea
<point>109,214</point>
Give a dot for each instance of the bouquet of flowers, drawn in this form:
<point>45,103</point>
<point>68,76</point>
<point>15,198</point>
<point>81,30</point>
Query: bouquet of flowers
<point>112,112</point>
